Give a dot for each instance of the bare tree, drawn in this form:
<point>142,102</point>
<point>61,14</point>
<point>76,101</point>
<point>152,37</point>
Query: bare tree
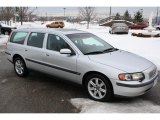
<point>7,13</point>
<point>23,12</point>
<point>87,13</point>
<point>1,17</point>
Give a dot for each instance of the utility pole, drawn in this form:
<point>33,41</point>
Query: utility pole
<point>110,12</point>
<point>157,17</point>
<point>46,17</point>
<point>64,12</point>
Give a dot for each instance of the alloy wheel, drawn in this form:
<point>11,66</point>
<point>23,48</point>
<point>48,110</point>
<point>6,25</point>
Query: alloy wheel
<point>97,88</point>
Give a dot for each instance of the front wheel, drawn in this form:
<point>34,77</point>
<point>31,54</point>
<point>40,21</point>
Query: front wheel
<point>20,67</point>
<point>99,88</point>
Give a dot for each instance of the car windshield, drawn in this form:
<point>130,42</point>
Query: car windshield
<point>89,43</point>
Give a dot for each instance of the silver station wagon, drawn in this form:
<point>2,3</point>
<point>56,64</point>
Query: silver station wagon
<point>83,58</point>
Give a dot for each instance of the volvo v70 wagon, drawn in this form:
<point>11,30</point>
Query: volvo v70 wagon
<point>83,58</point>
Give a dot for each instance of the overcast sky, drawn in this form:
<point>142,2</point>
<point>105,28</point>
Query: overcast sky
<point>101,11</point>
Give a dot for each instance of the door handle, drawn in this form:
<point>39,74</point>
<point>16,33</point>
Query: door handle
<point>47,55</point>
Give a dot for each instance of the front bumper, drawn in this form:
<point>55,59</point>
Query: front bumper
<point>132,90</point>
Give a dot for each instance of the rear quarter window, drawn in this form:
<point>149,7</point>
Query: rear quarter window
<point>18,37</point>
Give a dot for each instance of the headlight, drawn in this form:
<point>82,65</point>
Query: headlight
<point>131,76</point>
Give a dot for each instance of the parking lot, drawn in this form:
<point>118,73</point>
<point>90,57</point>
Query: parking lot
<point>39,93</point>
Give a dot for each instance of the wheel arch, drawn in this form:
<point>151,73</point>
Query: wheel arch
<point>17,55</point>
<point>94,72</point>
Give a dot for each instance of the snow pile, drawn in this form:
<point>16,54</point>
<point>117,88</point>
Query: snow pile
<point>3,39</point>
<point>133,106</point>
<point>30,25</point>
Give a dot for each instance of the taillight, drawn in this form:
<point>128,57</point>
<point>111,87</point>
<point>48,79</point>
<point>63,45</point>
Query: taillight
<point>8,40</point>
<point>6,44</point>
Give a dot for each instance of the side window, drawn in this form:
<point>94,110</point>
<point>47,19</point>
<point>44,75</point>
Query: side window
<point>56,43</point>
<point>18,37</point>
<point>36,40</point>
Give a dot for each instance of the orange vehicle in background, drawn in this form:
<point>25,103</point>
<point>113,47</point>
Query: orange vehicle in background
<point>55,25</point>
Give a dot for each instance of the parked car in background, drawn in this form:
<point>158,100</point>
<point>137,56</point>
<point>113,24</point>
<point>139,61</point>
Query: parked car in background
<point>83,58</point>
<point>6,29</point>
<point>118,28</point>
<point>55,25</point>
<point>138,26</point>
<point>157,27</point>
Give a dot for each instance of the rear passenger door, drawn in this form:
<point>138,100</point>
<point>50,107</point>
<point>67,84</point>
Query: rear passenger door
<point>57,64</point>
<point>34,51</point>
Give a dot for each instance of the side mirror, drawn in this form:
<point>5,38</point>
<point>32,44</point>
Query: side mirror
<point>65,51</point>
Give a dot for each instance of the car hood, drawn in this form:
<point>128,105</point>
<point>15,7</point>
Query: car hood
<point>122,60</point>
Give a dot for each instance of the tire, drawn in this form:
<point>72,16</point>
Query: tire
<point>20,67</point>
<point>157,28</point>
<point>98,87</point>
<point>111,32</point>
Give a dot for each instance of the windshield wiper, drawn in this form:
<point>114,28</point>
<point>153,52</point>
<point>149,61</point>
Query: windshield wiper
<point>95,52</point>
<point>110,50</point>
<point>100,52</point>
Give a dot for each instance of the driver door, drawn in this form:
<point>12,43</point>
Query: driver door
<point>61,65</point>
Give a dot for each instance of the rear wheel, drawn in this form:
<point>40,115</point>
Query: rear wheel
<point>98,88</point>
<point>157,28</point>
<point>20,67</point>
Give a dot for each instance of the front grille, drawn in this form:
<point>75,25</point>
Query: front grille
<point>152,73</point>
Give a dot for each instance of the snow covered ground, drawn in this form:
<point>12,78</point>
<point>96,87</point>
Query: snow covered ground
<point>3,39</point>
<point>128,106</point>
